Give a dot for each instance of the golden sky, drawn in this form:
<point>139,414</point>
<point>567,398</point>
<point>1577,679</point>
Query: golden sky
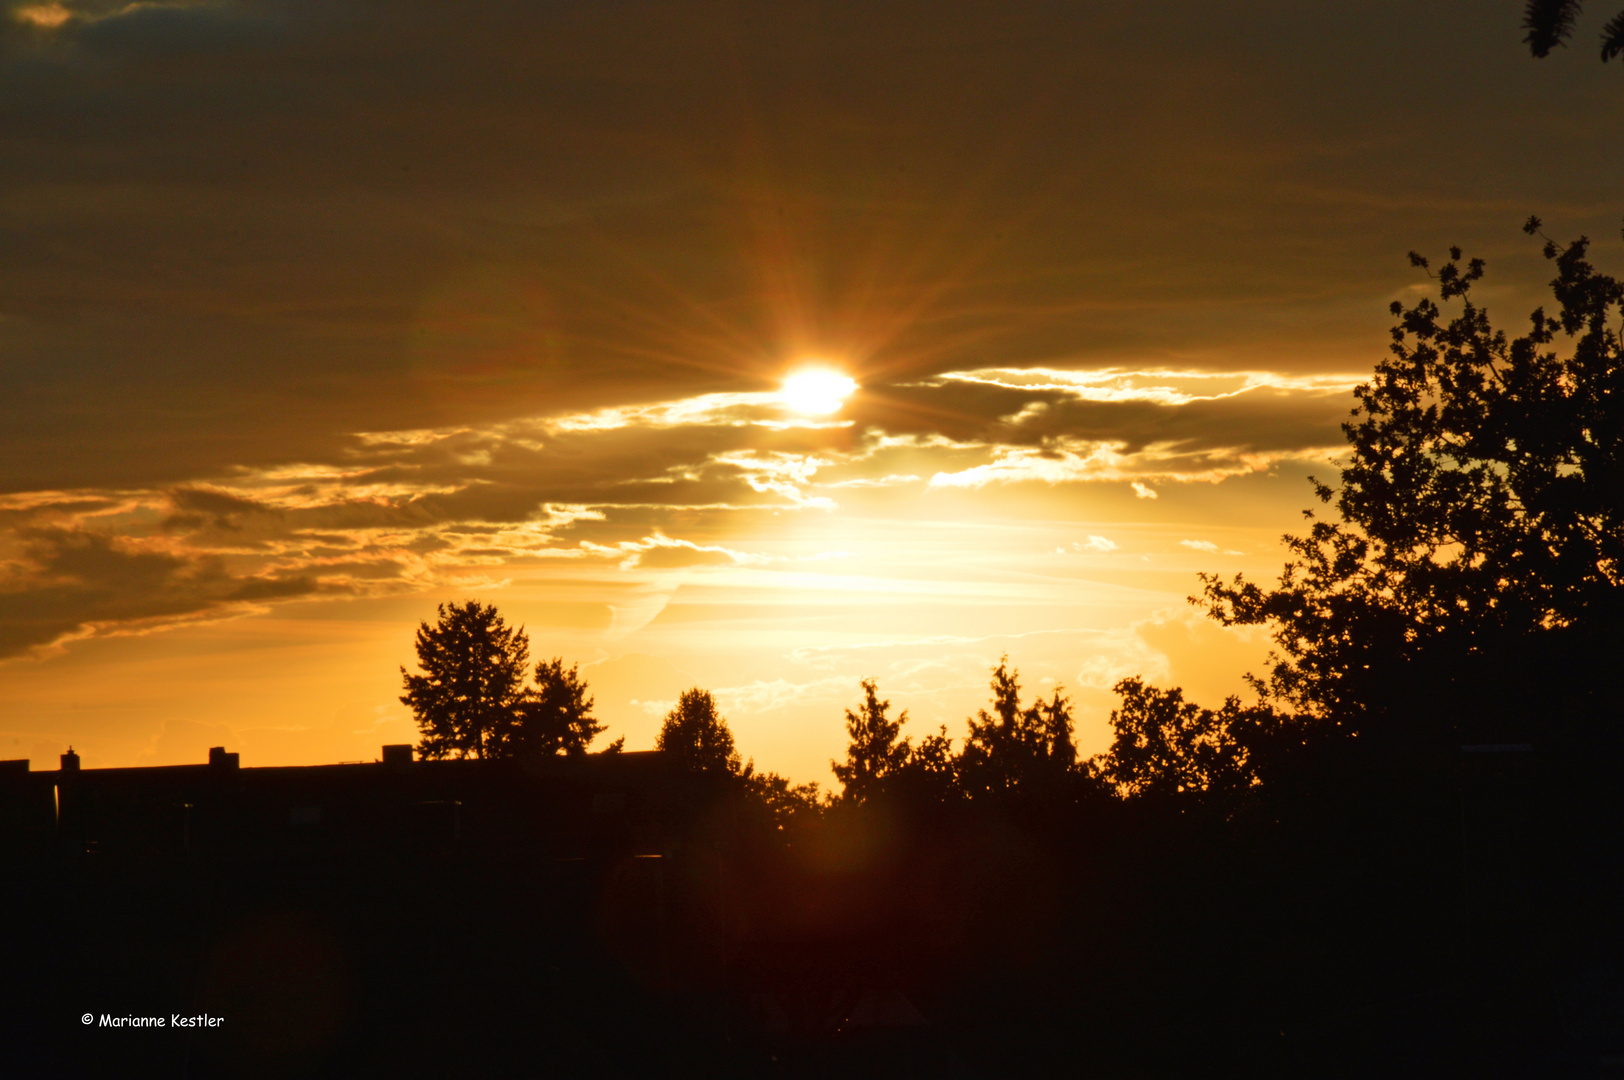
<point>315,315</point>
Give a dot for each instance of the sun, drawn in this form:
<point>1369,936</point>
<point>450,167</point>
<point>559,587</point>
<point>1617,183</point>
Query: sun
<point>815,391</point>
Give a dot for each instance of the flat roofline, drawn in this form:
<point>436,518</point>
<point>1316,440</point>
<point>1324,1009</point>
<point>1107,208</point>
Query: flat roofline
<point>210,769</point>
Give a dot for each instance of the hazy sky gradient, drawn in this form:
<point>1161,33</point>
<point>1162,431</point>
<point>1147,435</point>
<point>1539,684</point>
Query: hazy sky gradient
<point>313,316</point>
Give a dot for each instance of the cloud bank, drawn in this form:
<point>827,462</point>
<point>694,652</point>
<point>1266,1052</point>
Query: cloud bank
<point>651,489</point>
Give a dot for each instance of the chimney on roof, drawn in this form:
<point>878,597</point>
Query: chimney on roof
<point>70,761</point>
<point>397,754</point>
<point>219,759</point>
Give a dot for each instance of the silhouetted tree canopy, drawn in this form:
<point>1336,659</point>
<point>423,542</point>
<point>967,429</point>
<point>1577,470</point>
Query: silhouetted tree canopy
<point>1012,748</point>
<point>1550,23</point>
<point>473,682</point>
<point>876,752</point>
<point>555,716</point>
<point>1481,507</point>
<point>1057,732</point>
<point>697,736</point>
<point>930,774</point>
<point>1010,753</point>
<point>1167,746</point>
<point>781,800</point>
<point>471,700</point>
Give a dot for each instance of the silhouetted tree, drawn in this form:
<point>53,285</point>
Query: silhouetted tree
<point>474,668</point>
<point>697,736</point>
<point>930,773</point>
<point>555,716</point>
<point>1480,512</point>
<point>1166,746</point>
<point>1008,749</point>
<point>875,752</point>
<point>1550,23</point>
<point>784,803</point>
<point>1057,732</point>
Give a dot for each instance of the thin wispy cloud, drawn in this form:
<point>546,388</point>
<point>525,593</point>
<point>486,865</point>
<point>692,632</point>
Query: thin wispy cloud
<point>404,510</point>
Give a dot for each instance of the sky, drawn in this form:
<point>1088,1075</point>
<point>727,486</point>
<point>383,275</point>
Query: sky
<point>316,316</point>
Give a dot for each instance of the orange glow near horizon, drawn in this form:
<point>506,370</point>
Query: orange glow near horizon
<point>708,348</point>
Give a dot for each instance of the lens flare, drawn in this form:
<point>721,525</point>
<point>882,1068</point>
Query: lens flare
<point>816,392</point>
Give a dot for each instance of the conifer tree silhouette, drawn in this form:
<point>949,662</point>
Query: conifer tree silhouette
<point>695,733</point>
<point>554,716</point>
<point>472,683</point>
<point>876,752</point>
<point>1550,23</point>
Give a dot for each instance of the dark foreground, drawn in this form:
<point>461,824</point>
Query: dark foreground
<point>1474,932</point>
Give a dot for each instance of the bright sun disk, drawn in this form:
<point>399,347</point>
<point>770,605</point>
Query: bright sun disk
<point>816,392</point>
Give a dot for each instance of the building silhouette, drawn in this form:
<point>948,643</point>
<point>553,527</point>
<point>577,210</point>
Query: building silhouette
<point>586,806</point>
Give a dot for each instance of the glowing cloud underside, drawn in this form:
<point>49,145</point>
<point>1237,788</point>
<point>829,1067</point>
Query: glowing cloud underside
<point>816,392</point>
